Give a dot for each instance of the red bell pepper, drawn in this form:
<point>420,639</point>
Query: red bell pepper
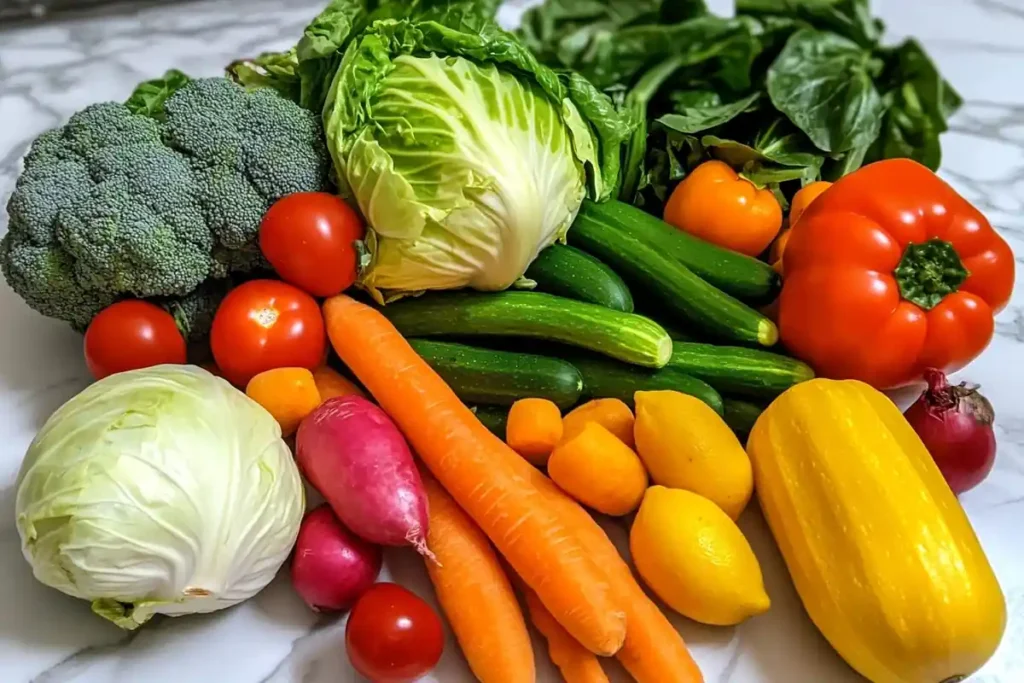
<point>890,272</point>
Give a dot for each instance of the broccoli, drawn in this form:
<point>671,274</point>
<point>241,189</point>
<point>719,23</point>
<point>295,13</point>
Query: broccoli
<point>120,204</point>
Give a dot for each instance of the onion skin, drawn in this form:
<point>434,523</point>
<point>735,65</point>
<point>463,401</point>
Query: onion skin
<point>332,567</point>
<point>955,424</point>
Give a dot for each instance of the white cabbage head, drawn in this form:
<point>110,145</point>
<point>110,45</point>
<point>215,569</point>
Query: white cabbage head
<point>164,490</point>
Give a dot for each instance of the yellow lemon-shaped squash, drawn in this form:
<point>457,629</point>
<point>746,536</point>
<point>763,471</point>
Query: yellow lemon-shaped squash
<point>686,445</point>
<point>696,559</point>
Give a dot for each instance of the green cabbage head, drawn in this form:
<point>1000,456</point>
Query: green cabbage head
<point>463,171</point>
<point>465,154</point>
<point>164,490</point>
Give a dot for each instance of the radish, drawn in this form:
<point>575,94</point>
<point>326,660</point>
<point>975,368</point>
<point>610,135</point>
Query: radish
<point>355,456</point>
<point>332,566</point>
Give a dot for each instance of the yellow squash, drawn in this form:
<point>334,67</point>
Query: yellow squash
<point>884,558</point>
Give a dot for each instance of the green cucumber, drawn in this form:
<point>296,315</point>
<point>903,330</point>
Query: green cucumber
<point>495,418</point>
<point>604,378</point>
<point>571,273</point>
<point>500,377</point>
<point>678,290</point>
<point>745,278</point>
<point>625,336</point>
<point>741,415</point>
<point>675,330</point>
<point>738,371</point>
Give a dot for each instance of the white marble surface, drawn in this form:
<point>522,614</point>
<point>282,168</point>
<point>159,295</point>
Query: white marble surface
<point>49,71</point>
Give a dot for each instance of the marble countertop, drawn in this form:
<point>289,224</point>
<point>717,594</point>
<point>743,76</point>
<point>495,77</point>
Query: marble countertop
<point>48,71</point>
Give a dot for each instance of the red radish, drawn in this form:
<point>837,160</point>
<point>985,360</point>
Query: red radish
<point>354,455</point>
<point>955,424</point>
<point>332,566</point>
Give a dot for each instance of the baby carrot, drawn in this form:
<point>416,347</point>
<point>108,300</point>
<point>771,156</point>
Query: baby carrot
<point>611,413</point>
<point>600,471</point>
<point>289,394</point>
<point>478,470</point>
<point>576,663</point>
<point>476,595</point>
<point>332,383</point>
<point>534,427</point>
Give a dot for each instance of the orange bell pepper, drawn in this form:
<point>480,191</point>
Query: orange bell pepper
<point>891,272</point>
<point>716,205</point>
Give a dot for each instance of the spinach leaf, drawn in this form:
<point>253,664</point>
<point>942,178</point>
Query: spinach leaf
<point>779,143</point>
<point>705,115</point>
<point>836,167</point>
<point>669,157</point>
<point>824,84</point>
<point>621,56</point>
<point>919,103</point>
<point>562,32</point>
<point>694,99</point>
<point>848,18</point>
<point>676,11</point>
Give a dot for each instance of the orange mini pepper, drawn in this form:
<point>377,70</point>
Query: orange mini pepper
<point>801,200</point>
<point>716,205</point>
<point>891,272</point>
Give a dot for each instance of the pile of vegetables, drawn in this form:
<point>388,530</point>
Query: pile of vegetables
<point>274,224</point>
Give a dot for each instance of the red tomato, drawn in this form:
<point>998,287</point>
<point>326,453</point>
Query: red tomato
<point>266,324</point>
<point>309,239</point>
<point>130,335</point>
<point>392,636</point>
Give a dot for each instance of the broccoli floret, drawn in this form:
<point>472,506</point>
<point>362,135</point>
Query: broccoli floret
<point>118,204</point>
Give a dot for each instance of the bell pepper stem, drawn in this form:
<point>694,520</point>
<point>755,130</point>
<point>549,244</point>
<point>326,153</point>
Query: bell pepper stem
<point>928,272</point>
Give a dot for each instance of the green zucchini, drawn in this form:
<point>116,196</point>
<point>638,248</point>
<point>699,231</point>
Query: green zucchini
<point>495,418</point>
<point>678,290</point>
<point>625,336</point>
<point>604,378</point>
<point>738,371</point>
<point>500,377</point>
<point>571,273</point>
<point>745,278</point>
<point>741,415</point>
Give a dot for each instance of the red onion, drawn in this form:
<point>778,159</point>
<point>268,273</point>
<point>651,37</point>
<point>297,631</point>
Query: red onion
<point>955,424</point>
<point>332,566</point>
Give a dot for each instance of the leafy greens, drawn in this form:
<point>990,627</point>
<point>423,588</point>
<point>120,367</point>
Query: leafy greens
<point>787,91</point>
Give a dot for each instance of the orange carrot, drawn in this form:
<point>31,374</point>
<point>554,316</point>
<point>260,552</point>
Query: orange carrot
<point>332,383</point>
<point>600,471</point>
<point>534,427</point>
<point>479,471</point>
<point>289,394</point>
<point>476,595</point>
<point>576,663</point>
<point>654,652</point>
<point>610,413</point>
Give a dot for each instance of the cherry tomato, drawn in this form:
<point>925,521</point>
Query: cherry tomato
<point>130,335</point>
<point>392,636</point>
<point>266,324</point>
<point>309,239</point>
